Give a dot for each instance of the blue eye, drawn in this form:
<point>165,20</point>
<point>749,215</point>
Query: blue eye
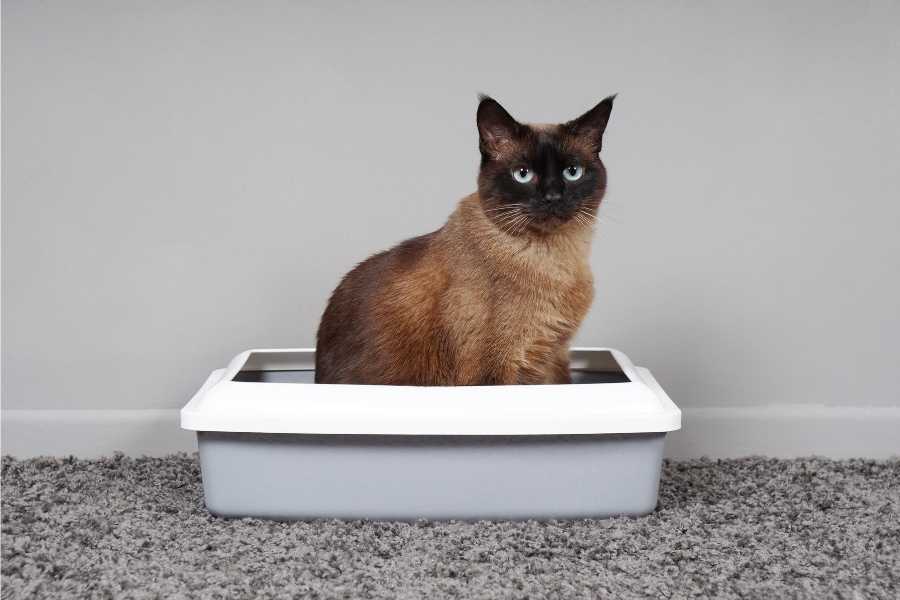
<point>522,174</point>
<point>573,173</point>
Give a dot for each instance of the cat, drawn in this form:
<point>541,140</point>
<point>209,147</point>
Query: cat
<point>495,295</point>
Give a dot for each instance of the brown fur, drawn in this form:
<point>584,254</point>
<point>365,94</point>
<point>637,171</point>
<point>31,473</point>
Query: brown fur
<point>472,303</point>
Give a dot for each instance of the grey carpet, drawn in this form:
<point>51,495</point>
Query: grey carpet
<point>750,528</point>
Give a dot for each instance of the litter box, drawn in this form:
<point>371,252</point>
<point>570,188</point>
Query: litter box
<point>275,445</point>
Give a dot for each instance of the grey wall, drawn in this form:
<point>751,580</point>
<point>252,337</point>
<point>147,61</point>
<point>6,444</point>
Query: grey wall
<point>184,180</point>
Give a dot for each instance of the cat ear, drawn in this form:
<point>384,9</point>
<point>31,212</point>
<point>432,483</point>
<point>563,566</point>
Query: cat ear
<point>592,124</point>
<point>497,129</point>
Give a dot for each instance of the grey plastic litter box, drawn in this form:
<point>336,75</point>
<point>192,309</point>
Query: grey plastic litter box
<point>275,445</point>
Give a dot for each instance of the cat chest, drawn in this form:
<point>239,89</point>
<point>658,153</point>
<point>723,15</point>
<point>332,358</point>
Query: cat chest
<point>513,307</point>
<point>546,315</point>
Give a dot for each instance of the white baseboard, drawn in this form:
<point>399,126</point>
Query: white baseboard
<point>719,432</point>
<point>787,431</point>
<point>93,433</point>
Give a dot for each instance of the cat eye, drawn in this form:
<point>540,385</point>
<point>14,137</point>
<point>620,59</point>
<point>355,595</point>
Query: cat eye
<point>522,175</point>
<point>573,173</point>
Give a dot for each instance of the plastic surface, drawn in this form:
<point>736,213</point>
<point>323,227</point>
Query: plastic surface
<point>277,403</point>
<point>275,445</point>
<point>290,476</point>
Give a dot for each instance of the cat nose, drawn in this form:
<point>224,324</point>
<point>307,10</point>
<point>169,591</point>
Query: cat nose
<point>552,197</point>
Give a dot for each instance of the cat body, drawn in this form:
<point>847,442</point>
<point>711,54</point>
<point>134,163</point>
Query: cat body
<point>497,293</point>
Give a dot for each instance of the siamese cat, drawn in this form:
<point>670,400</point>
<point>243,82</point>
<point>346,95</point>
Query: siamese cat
<point>495,295</point>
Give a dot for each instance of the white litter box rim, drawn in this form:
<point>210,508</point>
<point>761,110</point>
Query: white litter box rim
<point>637,406</point>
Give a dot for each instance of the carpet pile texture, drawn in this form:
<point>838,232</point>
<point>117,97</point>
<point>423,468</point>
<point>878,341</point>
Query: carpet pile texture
<point>749,528</point>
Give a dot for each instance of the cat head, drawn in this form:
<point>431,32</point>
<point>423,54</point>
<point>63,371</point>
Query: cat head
<point>537,178</point>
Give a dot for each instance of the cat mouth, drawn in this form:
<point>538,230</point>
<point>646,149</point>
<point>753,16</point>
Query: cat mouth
<point>540,221</point>
<point>547,221</point>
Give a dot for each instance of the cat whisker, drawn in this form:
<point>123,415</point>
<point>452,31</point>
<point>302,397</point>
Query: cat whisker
<point>586,218</point>
<point>513,211</point>
<point>505,207</point>
<point>523,224</point>
<point>507,219</point>
<point>506,229</point>
<point>511,226</point>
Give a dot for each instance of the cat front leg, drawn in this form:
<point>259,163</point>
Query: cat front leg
<point>501,374</point>
<point>557,368</point>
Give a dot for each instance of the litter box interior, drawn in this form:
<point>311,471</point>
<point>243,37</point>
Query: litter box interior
<point>299,367</point>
